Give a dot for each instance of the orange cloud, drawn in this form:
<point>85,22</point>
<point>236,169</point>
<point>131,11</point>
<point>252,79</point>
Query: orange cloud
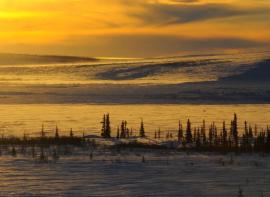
<point>39,23</point>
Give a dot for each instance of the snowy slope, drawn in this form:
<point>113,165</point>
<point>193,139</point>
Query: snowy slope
<point>260,73</point>
<point>227,78</point>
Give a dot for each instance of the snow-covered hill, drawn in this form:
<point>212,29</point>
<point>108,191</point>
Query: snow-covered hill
<point>260,73</point>
<point>227,78</point>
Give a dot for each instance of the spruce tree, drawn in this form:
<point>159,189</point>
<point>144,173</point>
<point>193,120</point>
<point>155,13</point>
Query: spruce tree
<point>142,131</point>
<point>224,134</point>
<point>127,133</point>
<point>267,148</point>
<point>103,128</point>
<point>194,136</point>
<point>198,139</point>
<point>71,133</point>
<point>250,133</point>
<point>108,127</point>
<point>246,128</point>
<point>131,132</point>
<point>211,135</point>
<point>122,130</point>
<point>256,130</point>
<point>56,133</point>
<point>215,134</point>
<point>180,132</point>
<point>203,133</point>
<point>42,132</point>
<point>235,130</point>
<point>118,133</point>
<point>125,128</point>
<point>24,138</point>
<point>188,133</point>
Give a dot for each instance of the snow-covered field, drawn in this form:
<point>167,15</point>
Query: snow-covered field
<point>114,173</point>
<point>174,80</point>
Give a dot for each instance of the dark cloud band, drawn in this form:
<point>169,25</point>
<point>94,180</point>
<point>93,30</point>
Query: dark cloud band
<point>166,14</point>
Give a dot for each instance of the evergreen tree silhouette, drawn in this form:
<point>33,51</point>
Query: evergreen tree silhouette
<point>203,133</point>
<point>194,136</point>
<point>215,134</point>
<point>108,127</point>
<point>224,135</point>
<point>118,133</point>
<point>198,139</point>
<point>123,129</point>
<point>56,133</point>
<point>142,131</point>
<point>267,148</point>
<point>71,135</point>
<point>250,133</point>
<point>42,131</point>
<point>103,128</point>
<point>246,140</point>
<point>211,135</point>
<point>180,132</point>
<point>131,132</point>
<point>127,133</point>
<point>235,130</point>
<point>188,132</point>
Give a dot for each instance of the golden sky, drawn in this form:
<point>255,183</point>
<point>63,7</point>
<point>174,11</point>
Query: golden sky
<point>131,28</point>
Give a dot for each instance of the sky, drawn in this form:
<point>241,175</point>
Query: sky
<point>132,28</point>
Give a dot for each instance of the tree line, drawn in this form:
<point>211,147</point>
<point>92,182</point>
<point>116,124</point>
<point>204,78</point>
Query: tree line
<point>203,138</point>
<point>187,137</point>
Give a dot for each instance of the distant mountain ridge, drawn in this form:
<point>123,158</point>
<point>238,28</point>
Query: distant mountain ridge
<point>23,59</point>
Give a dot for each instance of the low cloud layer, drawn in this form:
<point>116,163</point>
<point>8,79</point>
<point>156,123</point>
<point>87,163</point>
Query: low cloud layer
<point>138,45</point>
<point>156,45</point>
